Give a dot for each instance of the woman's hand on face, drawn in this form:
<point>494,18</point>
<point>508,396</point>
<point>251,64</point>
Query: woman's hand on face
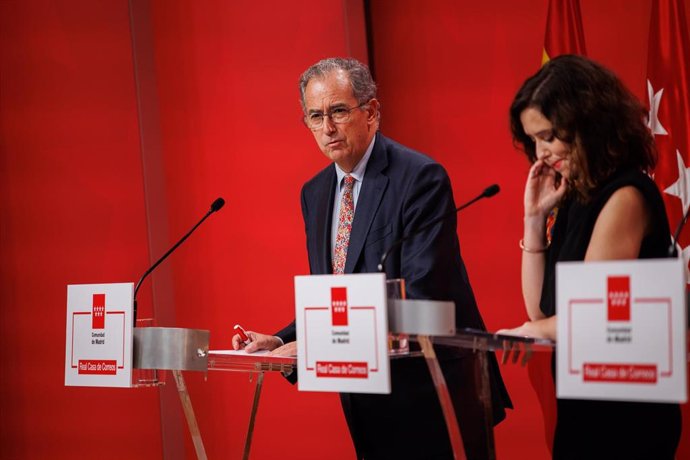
<point>542,193</point>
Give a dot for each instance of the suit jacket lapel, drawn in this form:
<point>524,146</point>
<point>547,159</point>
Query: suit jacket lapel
<point>370,196</point>
<point>324,216</point>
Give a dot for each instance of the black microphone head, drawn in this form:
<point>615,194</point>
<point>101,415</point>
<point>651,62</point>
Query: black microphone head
<point>491,190</point>
<point>216,205</point>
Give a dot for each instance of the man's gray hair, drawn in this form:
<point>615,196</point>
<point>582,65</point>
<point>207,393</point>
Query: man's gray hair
<point>363,86</point>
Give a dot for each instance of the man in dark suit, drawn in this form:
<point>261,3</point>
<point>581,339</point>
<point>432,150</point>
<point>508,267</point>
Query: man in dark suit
<point>376,192</point>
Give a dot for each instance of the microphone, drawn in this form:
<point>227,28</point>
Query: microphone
<point>215,206</point>
<point>488,192</point>
<point>672,251</point>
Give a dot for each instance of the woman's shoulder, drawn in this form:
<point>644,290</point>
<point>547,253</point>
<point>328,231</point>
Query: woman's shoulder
<point>625,188</point>
<point>626,179</point>
<point>634,177</point>
<point>634,193</point>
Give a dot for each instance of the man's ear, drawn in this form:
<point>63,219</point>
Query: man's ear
<point>374,106</point>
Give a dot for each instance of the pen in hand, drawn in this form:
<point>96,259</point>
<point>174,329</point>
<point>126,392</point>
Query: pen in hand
<point>244,338</point>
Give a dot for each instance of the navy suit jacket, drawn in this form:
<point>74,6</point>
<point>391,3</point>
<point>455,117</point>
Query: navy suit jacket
<point>401,191</point>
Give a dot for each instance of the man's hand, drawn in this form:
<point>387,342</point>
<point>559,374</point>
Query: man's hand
<point>258,342</point>
<point>289,349</point>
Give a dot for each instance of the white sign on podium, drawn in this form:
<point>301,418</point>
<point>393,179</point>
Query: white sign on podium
<point>622,330</point>
<point>342,331</point>
<point>99,335</point>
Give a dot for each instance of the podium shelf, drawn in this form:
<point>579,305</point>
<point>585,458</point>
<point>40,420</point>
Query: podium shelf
<point>239,361</point>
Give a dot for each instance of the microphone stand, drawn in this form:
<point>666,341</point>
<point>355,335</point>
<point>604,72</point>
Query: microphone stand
<point>215,206</point>
<point>487,193</point>
<point>672,251</point>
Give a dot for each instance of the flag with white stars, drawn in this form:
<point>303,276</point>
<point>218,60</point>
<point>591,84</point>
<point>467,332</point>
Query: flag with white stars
<point>668,92</point>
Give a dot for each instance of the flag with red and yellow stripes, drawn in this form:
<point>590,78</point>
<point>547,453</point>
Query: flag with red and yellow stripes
<point>564,35</point>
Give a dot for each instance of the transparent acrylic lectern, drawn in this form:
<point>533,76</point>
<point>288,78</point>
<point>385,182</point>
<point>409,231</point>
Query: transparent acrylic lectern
<point>477,345</point>
<point>180,350</point>
<point>177,350</point>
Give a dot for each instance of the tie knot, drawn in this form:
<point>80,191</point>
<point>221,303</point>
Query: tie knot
<point>348,181</point>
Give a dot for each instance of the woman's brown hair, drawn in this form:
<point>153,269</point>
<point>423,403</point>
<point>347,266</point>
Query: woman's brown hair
<point>590,109</point>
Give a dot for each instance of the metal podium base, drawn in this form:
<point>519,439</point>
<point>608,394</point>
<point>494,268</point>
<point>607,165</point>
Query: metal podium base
<point>175,349</point>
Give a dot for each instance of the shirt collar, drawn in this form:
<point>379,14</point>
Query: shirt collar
<point>359,170</point>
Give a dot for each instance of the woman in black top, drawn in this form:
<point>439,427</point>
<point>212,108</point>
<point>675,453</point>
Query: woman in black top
<point>590,149</point>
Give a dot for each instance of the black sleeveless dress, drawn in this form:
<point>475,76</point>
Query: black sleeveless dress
<point>588,429</point>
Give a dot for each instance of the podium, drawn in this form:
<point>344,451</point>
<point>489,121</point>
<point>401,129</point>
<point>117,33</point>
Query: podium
<point>477,345</point>
<point>428,323</point>
<point>179,350</point>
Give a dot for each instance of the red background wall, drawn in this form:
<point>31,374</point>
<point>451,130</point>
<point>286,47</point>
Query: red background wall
<point>71,211</point>
<point>118,127</point>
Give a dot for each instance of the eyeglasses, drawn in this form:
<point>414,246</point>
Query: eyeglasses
<point>338,115</point>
